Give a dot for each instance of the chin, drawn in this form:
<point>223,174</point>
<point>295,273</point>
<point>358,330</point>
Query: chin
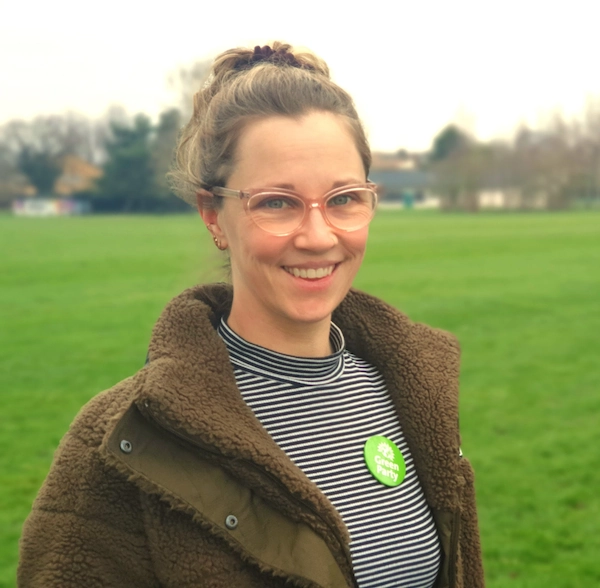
<point>311,313</point>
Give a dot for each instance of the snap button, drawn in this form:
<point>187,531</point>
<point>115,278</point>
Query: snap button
<point>126,446</point>
<point>231,522</point>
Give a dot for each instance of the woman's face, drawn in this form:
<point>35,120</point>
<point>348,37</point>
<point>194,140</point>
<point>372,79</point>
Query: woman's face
<point>272,288</point>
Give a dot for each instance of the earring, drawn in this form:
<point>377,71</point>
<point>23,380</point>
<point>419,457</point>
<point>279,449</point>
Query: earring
<point>218,244</point>
<point>215,239</point>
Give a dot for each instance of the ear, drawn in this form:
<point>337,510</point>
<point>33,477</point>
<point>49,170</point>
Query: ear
<point>210,215</point>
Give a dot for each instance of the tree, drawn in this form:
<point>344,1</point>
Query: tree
<point>186,81</point>
<point>128,183</point>
<point>548,164</point>
<point>163,147</point>
<point>458,164</point>
<point>12,181</point>
<point>450,141</point>
<point>36,149</point>
<point>41,168</point>
<point>38,146</point>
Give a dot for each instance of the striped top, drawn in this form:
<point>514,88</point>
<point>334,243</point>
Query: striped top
<point>321,411</point>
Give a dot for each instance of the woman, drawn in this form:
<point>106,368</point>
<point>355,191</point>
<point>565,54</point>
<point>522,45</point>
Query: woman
<point>286,430</point>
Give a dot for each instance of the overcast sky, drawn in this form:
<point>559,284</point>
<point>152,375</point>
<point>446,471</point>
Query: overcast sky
<point>412,67</point>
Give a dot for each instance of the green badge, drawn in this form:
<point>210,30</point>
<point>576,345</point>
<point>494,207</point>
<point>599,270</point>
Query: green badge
<point>384,460</point>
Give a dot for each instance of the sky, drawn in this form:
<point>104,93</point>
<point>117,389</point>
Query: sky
<point>412,67</point>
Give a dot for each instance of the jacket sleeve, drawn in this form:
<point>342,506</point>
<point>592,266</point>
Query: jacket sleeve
<point>85,528</point>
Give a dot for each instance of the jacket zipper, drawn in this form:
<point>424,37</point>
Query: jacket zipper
<point>262,472</point>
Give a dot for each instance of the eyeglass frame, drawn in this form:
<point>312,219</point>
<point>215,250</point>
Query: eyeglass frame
<point>245,195</point>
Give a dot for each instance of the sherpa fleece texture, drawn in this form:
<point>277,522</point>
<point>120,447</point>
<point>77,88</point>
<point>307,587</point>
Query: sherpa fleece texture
<point>144,481</point>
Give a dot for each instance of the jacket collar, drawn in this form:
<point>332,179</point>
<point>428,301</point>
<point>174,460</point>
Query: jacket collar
<point>190,387</point>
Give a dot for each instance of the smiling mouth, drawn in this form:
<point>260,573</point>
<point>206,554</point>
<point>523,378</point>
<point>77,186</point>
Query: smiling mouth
<point>310,273</point>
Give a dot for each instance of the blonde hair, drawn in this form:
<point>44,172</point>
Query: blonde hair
<point>246,85</point>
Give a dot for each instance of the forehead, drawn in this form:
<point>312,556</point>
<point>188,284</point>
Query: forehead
<point>290,151</point>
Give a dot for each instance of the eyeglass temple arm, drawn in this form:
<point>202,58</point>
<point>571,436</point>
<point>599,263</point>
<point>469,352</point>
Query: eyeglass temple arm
<point>226,192</point>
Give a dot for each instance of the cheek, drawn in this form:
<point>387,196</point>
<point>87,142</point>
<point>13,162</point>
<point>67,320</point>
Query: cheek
<point>233,226</point>
<point>254,249</point>
<point>357,241</point>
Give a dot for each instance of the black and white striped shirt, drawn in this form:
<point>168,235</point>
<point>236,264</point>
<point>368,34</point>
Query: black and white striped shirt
<point>321,411</point>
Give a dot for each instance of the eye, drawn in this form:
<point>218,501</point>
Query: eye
<point>342,199</point>
<point>273,202</point>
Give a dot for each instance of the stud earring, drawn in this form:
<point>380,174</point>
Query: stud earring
<point>215,239</point>
<point>218,244</point>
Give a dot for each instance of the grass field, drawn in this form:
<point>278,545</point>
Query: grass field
<point>78,298</point>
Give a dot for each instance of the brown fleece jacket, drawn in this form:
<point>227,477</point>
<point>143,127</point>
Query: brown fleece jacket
<point>168,479</point>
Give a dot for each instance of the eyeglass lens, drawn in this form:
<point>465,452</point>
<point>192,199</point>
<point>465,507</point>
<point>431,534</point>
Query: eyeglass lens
<point>280,213</point>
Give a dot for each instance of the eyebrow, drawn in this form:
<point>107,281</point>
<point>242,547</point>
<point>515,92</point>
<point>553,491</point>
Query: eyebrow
<point>338,184</point>
<point>347,182</point>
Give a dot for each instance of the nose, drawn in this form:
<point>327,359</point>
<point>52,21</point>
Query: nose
<point>315,233</point>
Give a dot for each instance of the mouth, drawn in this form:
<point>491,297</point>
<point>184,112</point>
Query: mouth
<point>310,273</point>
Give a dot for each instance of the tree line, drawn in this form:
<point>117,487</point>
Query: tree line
<point>133,153</point>
<point>555,166</point>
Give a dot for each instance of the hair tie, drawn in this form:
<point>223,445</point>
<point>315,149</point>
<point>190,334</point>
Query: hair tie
<point>267,55</point>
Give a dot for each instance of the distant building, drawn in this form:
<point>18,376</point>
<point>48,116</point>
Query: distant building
<point>402,181</point>
<point>405,187</point>
<point>513,199</point>
<point>402,159</point>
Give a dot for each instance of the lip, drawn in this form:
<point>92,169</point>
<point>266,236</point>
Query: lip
<point>311,271</point>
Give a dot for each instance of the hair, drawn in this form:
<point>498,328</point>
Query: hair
<point>246,85</point>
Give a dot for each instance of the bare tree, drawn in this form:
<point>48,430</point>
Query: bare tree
<point>552,164</point>
<point>163,146</point>
<point>186,81</point>
<point>37,147</point>
<point>12,181</point>
<point>550,167</point>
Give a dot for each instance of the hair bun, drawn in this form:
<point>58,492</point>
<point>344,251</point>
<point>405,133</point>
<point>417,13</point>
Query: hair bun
<point>281,54</point>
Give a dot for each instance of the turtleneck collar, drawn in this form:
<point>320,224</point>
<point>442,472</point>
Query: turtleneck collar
<point>266,362</point>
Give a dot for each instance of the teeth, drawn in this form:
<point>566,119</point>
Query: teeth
<point>311,273</point>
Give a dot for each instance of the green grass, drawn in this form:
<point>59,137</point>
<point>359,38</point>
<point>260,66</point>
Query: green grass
<point>78,298</point>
